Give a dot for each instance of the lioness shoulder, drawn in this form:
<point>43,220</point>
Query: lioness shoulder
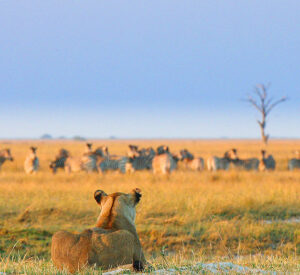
<point>114,240</point>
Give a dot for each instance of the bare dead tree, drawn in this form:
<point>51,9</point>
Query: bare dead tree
<point>264,104</point>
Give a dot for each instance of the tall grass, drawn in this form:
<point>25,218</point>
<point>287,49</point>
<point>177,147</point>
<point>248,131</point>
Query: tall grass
<point>189,215</point>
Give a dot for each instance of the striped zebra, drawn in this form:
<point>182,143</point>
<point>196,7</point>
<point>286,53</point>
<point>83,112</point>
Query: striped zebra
<point>92,160</point>
<point>243,164</point>
<point>190,161</point>
<point>110,164</point>
<point>133,151</point>
<point>60,160</point>
<point>31,164</point>
<point>164,162</point>
<point>87,162</point>
<point>88,148</point>
<point>220,163</point>
<point>106,161</point>
<point>5,154</point>
<point>294,163</point>
<point>162,149</point>
<point>266,162</point>
<point>142,161</point>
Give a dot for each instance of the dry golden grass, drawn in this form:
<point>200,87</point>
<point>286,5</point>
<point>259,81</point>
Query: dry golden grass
<point>190,216</point>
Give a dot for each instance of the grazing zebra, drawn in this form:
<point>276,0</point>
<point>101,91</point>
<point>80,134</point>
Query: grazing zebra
<point>190,161</point>
<point>102,151</point>
<point>60,160</point>
<point>92,160</point>
<point>164,163</point>
<point>133,151</point>
<point>31,164</point>
<point>107,162</point>
<point>161,163</point>
<point>216,163</point>
<point>111,163</point>
<point>244,164</point>
<point>142,161</point>
<point>219,163</point>
<point>88,148</point>
<point>5,155</point>
<point>266,163</point>
<point>88,162</point>
<point>162,150</point>
<point>294,163</point>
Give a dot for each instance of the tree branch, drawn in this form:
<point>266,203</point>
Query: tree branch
<point>275,104</point>
<point>254,103</point>
<point>259,94</point>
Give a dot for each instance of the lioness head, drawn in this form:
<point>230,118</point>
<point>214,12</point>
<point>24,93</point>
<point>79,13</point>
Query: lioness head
<point>117,209</point>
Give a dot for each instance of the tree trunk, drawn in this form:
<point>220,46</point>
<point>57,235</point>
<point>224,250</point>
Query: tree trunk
<point>262,125</point>
<point>264,137</point>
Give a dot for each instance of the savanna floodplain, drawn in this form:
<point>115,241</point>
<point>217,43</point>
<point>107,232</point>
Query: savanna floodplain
<point>244,217</point>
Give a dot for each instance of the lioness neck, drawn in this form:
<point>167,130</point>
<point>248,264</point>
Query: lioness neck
<point>115,223</point>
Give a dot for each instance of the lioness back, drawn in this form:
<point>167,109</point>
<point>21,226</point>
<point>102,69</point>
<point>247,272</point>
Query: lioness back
<point>117,248</point>
<point>70,251</point>
<point>97,246</point>
<point>114,241</point>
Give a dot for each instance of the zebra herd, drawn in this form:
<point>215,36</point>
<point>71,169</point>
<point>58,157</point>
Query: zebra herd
<point>160,160</point>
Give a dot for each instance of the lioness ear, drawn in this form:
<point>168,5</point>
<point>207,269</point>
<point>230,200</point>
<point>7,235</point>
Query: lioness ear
<point>137,194</point>
<point>98,195</point>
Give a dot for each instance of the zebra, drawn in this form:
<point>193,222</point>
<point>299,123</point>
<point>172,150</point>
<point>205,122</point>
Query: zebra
<point>190,161</point>
<point>107,162</point>
<point>294,163</point>
<point>31,164</point>
<point>142,161</point>
<point>133,151</point>
<point>93,159</point>
<point>5,154</point>
<point>162,149</point>
<point>244,164</point>
<point>219,163</point>
<point>87,162</point>
<point>110,164</point>
<point>60,160</point>
<point>266,163</point>
<point>216,163</point>
<point>164,161</point>
<point>88,148</point>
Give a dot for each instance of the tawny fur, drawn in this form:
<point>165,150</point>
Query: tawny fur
<point>113,242</point>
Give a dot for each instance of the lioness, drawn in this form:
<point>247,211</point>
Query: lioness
<point>114,241</point>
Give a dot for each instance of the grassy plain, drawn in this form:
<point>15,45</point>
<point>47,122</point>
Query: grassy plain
<point>250,218</point>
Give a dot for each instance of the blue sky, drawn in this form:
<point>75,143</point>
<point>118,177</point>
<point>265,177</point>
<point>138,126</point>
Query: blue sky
<point>147,68</point>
